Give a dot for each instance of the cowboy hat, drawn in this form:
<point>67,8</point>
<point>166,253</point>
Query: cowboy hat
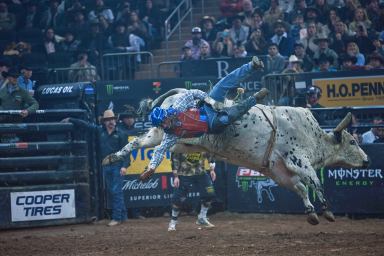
<point>108,115</point>
<point>13,72</point>
<point>208,18</point>
<point>294,59</point>
<point>319,39</point>
<point>376,56</point>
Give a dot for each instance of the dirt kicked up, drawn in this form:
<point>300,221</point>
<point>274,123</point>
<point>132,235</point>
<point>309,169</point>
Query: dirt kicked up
<point>234,234</point>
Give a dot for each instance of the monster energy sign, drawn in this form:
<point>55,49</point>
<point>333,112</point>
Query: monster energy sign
<point>109,89</point>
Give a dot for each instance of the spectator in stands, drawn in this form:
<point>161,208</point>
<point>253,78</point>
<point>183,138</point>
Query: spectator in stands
<point>333,18</point>
<point>256,44</point>
<point>288,82</point>
<point>313,97</point>
<point>31,17</point>
<point>238,32</point>
<point>4,67</point>
<point>70,44</point>
<point>375,61</point>
<point>275,62</point>
<point>347,12</point>
<point>299,8</point>
<point>7,19</point>
<point>286,7</point>
<point>239,51</point>
<point>123,14</point>
<point>152,16</point>
<point>372,135</point>
<point>230,8</point>
<point>82,70</point>
<point>323,48</point>
<point>281,39</point>
<point>360,18</point>
<point>196,42</point>
<point>379,46</point>
<point>53,17</point>
<point>258,23</point>
<point>17,49</point>
<point>380,135</point>
<point>347,62</point>
<point>306,61</point>
<point>376,15</point>
<point>209,32</point>
<point>323,64</point>
<point>205,52</point>
<point>186,54</point>
<point>107,28</point>
<point>339,37</point>
<point>122,41</point>
<point>101,9</point>
<point>25,82</point>
<point>247,13</point>
<point>353,50</point>
<point>297,27</point>
<point>363,41</point>
<point>223,45</point>
<point>312,15</point>
<point>51,41</point>
<point>309,39</point>
<point>273,14</point>
<point>75,6</point>
<point>111,139</point>
<point>78,25</point>
<point>95,42</point>
<point>323,9</point>
<point>13,97</point>
<point>138,28</point>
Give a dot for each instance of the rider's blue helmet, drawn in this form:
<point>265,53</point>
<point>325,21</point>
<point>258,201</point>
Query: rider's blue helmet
<point>158,115</point>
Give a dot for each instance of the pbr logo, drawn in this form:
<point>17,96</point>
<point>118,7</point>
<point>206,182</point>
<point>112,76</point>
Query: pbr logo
<point>109,89</point>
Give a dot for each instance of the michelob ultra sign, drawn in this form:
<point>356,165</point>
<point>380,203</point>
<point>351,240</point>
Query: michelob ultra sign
<point>351,91</point>
<point>140,159</point>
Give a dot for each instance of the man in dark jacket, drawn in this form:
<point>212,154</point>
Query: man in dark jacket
<point>13,97</point>
<point>111,139</point>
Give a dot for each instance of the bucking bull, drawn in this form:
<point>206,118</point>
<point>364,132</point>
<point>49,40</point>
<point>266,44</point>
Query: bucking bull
<point>284,143</point>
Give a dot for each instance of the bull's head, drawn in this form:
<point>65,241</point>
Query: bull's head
<point>349,152</point>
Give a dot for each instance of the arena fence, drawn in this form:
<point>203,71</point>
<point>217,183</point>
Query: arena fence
<point>47,170</point>
<point>69,75</point>
<point>172,66</point>
<point>122,66</point>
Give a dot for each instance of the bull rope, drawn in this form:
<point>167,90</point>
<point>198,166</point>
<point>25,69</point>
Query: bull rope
<point>272,138</point>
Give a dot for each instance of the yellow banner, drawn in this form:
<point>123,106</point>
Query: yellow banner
<point>351,91</point>
<point>140,159</point>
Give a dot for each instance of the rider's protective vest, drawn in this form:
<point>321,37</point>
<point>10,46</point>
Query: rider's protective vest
<point>191,123</point>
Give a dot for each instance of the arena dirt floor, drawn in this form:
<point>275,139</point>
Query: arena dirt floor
<point>234,234</point>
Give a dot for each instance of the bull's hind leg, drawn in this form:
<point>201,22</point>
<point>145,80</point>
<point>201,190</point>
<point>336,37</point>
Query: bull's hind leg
<point>286,174</point>
<point>150,139</point>
<point>313,181</point>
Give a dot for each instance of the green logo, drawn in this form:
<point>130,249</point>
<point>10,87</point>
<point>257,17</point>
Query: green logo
<point>109,88</point>
<point>188,84</point>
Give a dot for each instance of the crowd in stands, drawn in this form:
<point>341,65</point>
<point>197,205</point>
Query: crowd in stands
<point>324,35</point>
<point>41,34</point>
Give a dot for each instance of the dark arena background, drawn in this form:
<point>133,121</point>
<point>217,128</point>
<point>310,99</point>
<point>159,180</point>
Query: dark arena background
<point>78,58</point>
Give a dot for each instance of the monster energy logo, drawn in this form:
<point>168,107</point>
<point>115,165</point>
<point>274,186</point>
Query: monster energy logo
<point>109,88</point>
<point>188,84</point>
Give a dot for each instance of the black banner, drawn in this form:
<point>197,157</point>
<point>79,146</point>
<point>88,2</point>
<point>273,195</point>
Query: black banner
<point>348,190</point>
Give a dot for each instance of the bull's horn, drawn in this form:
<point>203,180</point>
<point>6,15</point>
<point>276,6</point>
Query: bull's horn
<point>344,123</point>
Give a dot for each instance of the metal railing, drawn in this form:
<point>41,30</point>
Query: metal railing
<point>279,86</point>
<point>180,13</point>
<point>122,66</point>
<point>69,75</point>
<point>176,67</point>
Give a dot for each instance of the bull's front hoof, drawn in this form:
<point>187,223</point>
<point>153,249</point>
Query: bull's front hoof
<point>313,219</point>
<point>328,215</point>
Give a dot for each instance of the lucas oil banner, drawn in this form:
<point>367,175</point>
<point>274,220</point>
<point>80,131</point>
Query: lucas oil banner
<point>351,91</point>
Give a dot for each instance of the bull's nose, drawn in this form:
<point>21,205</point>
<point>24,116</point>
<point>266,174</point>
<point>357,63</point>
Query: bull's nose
<point>365,163</point>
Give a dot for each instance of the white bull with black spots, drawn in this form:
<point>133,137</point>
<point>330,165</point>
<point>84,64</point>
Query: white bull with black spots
<point>284,143</point>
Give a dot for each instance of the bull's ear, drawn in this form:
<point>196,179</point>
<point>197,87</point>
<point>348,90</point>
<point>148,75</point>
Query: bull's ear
<point>341,126</point>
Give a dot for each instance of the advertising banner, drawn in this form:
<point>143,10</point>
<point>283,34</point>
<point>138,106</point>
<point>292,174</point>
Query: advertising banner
<point>43,205</point>
<point>348,190</point>
<point>351,91</point>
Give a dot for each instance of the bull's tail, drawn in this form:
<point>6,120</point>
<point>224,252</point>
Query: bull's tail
<point>161,98</point>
